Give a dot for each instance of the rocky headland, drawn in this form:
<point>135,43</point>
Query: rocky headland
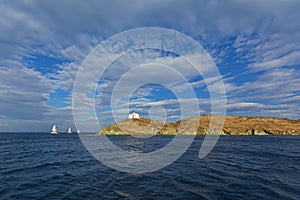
<point>233,125</point>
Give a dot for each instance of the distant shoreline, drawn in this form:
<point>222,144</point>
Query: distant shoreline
<point>200,126</point>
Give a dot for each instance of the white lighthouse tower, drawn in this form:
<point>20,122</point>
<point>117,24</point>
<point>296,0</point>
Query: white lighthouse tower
<point>133,115</point>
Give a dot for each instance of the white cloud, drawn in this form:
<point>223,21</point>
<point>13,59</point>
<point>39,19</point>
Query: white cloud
<point>273,82</point>
<point>24,93</point>
<point>290,59</point>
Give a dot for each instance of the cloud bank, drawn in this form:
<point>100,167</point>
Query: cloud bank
<point>256,45</point>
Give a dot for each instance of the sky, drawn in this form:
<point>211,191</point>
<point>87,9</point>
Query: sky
<point>255,46</point>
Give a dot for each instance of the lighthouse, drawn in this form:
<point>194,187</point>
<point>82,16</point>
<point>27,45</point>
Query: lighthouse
<point>133,115</point>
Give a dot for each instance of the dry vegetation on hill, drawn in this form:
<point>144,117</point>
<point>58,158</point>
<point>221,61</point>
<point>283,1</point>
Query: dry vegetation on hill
<point>233,125</point>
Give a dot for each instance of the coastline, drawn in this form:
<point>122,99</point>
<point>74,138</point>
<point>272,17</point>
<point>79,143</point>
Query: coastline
<point>200,126</point>
<point>145,136</point>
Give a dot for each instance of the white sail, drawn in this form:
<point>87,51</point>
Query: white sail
<point>54,129</point>
<point>69,130</point>
<point>78,131</point>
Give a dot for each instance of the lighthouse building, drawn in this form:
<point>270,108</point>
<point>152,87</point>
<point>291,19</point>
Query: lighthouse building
<point>134,115</point>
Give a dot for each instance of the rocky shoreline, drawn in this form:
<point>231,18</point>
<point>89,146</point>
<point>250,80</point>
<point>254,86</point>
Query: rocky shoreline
<point>233,125</point>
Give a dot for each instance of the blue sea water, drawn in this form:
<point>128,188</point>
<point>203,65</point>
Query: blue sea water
<point>44,166</point>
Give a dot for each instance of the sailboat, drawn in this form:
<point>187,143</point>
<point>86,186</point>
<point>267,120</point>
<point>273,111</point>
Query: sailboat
<point>53,129</point>
<point>69,130</point>
<point>78,131</point>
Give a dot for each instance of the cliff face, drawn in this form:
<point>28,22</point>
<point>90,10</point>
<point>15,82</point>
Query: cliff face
<point>233,125</point>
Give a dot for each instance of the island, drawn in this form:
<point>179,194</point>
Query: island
<point>233,125</point>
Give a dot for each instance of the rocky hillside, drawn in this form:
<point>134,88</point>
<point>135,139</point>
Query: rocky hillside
<point>233,125</point>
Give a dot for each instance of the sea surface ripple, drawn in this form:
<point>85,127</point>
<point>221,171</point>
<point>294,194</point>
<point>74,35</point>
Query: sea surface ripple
<point>44,166</point>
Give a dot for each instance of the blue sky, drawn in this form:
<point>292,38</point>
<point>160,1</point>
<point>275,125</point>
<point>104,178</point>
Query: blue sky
<point>255,45</point>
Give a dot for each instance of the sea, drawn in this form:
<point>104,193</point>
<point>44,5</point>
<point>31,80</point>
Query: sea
<point>44,166</point>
